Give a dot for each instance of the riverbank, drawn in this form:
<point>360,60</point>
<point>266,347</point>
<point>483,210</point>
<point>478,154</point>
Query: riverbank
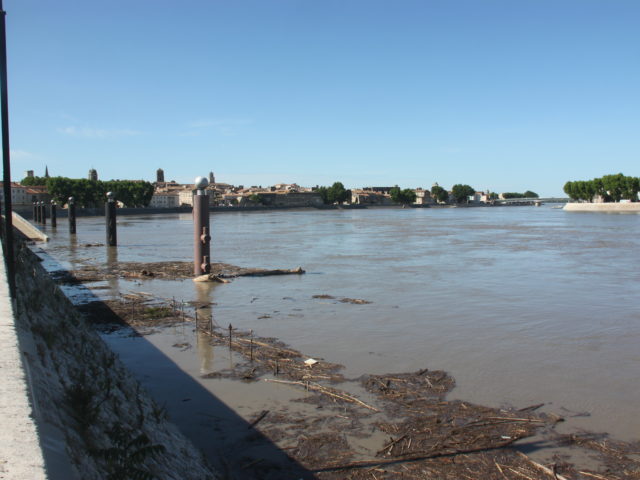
<point>27,211</point>
<point>93,419</point>
<point>392,424</point>
<point>603,207</point>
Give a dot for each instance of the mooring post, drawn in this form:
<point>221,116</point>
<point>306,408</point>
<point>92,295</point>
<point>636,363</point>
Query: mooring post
<point>72,215</point>
<point>54,214</point>
<point>43,216</point>
<point>201,237</point>
<point>110,215</point>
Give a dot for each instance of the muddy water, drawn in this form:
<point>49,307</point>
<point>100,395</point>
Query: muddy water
<point>521,305</point>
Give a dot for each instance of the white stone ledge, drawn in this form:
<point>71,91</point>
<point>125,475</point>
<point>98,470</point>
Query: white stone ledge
<point>603,207</point>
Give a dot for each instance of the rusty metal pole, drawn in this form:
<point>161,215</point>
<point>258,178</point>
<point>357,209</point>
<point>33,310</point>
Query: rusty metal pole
<point>54,214</point>
<point>72,215</point>
<point>110,214</point>
<point>201,236</point>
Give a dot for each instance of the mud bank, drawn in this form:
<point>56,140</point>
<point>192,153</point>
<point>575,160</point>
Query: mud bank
<point>94,420</point>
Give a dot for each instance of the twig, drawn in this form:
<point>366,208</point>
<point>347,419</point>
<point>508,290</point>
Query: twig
<point>390,445</point>
<point>319,388</point>
<point>546,470</point>
<point>257,420</point>
<point>593,475</point>
<point>531,408</point>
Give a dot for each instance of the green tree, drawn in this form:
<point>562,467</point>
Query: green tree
<point>612,188</point>
<point>256,198</point>
<point>439,193</point>
<point>336,193</point>
<point>33,181</point>
<point>404,197</point>
<point>512,195</point>
<point>324,194</point>
<point>90,193</point>
<point>462,192</point>
<point>530,194</point>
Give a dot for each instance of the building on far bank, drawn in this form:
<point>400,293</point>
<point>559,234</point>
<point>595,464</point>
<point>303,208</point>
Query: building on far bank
<point>18,194</point>
<point>368,196</point>
<point>165,200</point>
<point>423,197</point>
<point>26,195</point>
<point>93,175</point>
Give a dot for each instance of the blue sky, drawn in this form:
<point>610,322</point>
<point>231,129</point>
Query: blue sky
<point>507,95</point>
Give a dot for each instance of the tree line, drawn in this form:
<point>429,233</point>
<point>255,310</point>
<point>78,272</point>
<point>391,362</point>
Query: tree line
<point>337,193</point>
<point>92,193</point>
<point>611,188</point>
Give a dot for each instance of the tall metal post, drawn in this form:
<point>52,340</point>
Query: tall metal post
<point>54,214</point>
<point>6,159</point>
<point>43,213</point>
<point>110,219</point>
<point>72,215</point>
<point>35,212</point>
<point>201,237</point>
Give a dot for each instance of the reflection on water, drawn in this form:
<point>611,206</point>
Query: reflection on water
<point>521,305</point>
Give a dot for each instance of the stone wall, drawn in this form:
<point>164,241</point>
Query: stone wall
<point>94,420</point>
<point>603,207</point>
<point>301,199</point>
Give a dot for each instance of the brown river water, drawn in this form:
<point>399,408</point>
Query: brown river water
<point>522,305</point>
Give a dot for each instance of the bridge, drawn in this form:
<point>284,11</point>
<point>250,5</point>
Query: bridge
<point>532,201</point>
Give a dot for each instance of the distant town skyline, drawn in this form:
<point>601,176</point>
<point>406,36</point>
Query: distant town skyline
<point>500,95</point>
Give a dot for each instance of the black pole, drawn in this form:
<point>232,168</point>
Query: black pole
<point>54,214</point>
<point>110,214</point>
<point>72,214</point>
<point>6,159</point>
<point>35,212</point>
<point>44,213</point>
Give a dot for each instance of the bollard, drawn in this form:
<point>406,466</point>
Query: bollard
<point>201,237</point>
<point>72,215</point>
<point>43,215</point>
<point>54,214</point>
<point>110,215</point>
<point>35,212</point>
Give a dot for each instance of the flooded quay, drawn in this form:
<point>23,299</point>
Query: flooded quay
<point>521,306</point>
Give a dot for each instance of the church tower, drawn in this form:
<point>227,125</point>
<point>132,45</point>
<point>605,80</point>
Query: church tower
<point>160,176</point>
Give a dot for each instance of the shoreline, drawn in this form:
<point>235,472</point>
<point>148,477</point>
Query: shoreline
<point>26,211</point>
<point>271,422</point>
<point>603,207</point>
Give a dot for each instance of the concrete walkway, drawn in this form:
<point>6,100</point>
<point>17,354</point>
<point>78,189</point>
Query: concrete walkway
<point>20,453</point>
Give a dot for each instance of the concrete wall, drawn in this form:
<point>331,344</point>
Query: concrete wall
<point>84,401</point>
<point>20,453</point>
<point>603,207</point>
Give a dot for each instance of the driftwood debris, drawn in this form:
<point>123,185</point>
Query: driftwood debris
<point>419,433</point>
<point>220,272</point>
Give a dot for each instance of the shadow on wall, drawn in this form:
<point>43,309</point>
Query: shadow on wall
<point>228,442</point>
